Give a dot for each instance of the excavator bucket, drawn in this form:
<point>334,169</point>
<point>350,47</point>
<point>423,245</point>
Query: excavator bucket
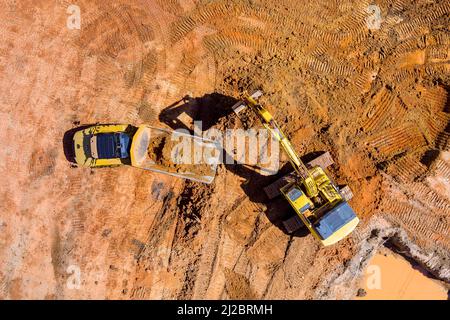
<point>241,105</point>
<point>175,153</point>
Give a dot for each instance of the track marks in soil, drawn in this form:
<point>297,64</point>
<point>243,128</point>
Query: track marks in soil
<point>442,169</point>
<point>379,110</point>
<point>227,39</point>
<point>419,26</point>
<point>208,261</point>
<point>407,168</point>
<point>328,67</point>
<point>397,140</point>
<point>199,16</point>
<point>142,70</point>
<point>171,6</point>
<point>112,28</point>
<point>42,163</point>
<point>425,228</point>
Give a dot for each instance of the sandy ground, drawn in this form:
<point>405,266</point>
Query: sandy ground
<point>376,99</point>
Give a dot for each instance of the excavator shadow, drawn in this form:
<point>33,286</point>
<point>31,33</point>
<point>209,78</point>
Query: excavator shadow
<point>277,210</point>
<point>208,109</point>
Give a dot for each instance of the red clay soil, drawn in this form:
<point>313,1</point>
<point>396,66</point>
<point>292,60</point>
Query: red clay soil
<point>377,100</point>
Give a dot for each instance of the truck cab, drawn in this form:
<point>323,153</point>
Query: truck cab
<point>103,145</point>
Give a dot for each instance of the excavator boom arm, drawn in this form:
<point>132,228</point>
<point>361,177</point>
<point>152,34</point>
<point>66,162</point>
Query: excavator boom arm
<point>270,124</point>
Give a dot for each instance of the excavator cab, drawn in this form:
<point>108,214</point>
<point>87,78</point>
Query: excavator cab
<point>302,205</point>
<point>326,219</point>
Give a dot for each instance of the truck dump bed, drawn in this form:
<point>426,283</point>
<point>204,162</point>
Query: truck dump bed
<point>175,153</point>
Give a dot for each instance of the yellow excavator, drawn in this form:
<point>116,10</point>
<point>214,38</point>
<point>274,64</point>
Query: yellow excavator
<point>318,202</point>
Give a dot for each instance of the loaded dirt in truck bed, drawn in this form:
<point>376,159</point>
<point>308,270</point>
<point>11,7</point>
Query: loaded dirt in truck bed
<point>176,157</point>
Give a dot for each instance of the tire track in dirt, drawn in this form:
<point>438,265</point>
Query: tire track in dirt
<point>417,221</point>
<point>130,54</point>
<point>333,85</point>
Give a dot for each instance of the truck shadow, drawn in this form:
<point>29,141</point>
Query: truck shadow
<point>67,142</point>
<point>210,109</point>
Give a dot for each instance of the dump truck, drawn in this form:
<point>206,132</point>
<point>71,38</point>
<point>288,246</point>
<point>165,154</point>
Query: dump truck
<point>318,202</point>
<point>160,150</point>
